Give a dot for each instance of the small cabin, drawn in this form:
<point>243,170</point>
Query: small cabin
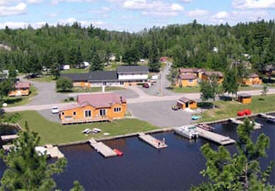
<point>187,80</point>
<point>185,103</point>
<point>219,75</point>
<point>245,98</point>
<point>252,79</point>
<point>20,89</point>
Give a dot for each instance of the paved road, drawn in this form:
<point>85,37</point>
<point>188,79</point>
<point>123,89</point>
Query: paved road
<point>160,114</point>
<point>145,99</point>
<point>46,94</point>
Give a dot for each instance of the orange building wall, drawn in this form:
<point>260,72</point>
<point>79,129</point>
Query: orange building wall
<point>95,113</point>
<point>192,105</point>
<point>204,77</point>
<point>22,92</point>
<point>245,100</point>
<point>82,84</point>
<point>252,81</point>
<point>187,83</point>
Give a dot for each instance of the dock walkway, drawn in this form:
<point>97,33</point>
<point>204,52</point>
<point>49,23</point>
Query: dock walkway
<point>53,152</point>
<point>9,137</point>
<point>239,122</point>
<point>217,138</point>
<point>158,144</point>
<point>102,148</point>
<point>268,117</point>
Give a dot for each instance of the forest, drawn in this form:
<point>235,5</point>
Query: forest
<point>190,45</point>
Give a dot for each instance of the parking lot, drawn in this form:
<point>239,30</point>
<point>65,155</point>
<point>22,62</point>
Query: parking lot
<point>160,114</point>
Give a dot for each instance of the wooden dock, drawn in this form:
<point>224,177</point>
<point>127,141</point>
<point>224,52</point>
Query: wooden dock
<point>158,144</point>
<point>53,151</point>
<point>9,137</point>
<point>268,117</point>
<point>102,148</point>
<point>239,122</point>
<point>217,138</point>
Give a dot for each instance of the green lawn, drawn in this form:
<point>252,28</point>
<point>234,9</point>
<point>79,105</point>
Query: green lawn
<point>55,133</point>
<point>186,89</point>
<point>227,109</point>
<point>112,66</point>
<point>96,89</point>
<point>22,100</point>
<point>43,78</point>
<point>74,70</point>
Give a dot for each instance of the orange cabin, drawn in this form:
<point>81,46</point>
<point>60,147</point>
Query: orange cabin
<point>185,103</point>
<point>187,80</point>
<point>94,107</point>
<point>245,98</point>
<point>253,79</point>
<point>20,89</point>
<point>207,75</point>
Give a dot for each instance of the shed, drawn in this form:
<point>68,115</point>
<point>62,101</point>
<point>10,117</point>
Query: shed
<point>184,103</point>
<point>245,98</point>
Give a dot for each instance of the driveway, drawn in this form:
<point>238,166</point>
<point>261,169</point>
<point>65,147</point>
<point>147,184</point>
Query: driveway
<point>160,114</point>
<point>160,88</point>
<point>46,94</point>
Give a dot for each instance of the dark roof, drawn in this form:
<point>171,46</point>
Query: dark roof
<point>244,95</point>
<point>254,75</point>
<point>103,76</point>
<point>92,76</point>
<point>132,69</point>
<point>219,74</point>
<point>185,100</point>
<point>187,76</point>
<point>76,76</point>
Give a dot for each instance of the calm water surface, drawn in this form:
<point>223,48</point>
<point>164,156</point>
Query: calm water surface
<point>143,167</point>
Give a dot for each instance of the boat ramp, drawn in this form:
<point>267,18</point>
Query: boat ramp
<point>217,138</point>
<point>158,144</point>
<point>102,148</point>
<point>9,137</point>
<point>239,122</point>
<point>270,118</point>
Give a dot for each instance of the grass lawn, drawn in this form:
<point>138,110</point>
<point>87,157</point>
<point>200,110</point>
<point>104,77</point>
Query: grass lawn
<point>228,109</point>
<point>186,89</point>
<point>55,133</point>
<point>74,70</point>
<point>96,89</point>
<point>43,78</point>
<point>22,100</point>
<point>112,66</point>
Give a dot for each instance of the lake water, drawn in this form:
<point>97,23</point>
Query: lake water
<point>143,167</point>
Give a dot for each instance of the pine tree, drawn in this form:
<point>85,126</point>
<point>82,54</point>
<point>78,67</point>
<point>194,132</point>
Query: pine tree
<point>26,169</point>
<point>96,63</point>
<point>154,65</point>
<point>240,171</point>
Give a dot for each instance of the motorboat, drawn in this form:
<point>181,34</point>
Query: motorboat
<point>87,131</point>
<point>189,132</point>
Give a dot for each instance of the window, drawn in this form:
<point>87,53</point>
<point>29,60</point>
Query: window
<point>102,112</point>
<point>117,109</point>
<point>190,80</point>
<point>88,113</point>
<point>62,113</point>
<point>121,83</point>
<point>74,113</point>
<point>104,83</point>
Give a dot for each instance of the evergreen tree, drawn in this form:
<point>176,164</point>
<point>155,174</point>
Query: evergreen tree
<point>79,58</point>
<point>154,64</point>
<point>240,171</point>
<point>26,169</point>
<point>96,63</point>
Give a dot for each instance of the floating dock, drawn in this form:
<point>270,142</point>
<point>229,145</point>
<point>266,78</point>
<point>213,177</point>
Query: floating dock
<point>217,138</point>
<point>239,122</point>
<point>102,148</point>
<point>9,137</point>
<point>158,144</point>
<point>268,117</point>
<point>53,152</point>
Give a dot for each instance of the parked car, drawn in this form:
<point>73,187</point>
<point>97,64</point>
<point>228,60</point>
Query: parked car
<point>55,110</point>
<point>146,85</point>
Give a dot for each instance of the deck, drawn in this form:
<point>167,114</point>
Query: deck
<point>158,144</point>
<point>53,152</point>
<point>7,147</point>
<point>217,138</point>
<point>9,137</point>
<point>239,122</point>
<point>102,148</point>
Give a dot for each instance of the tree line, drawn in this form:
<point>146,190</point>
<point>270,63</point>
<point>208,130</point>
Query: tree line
<point>190,45</point>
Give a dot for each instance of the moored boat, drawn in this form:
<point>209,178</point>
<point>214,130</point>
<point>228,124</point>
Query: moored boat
<point>189,132</point>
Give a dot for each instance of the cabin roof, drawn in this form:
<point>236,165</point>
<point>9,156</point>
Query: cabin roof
<point>132,69</point>
<point>92,76</point>
<point>185,100</point>
<point>22,85</point>
<point>244,95</point>
<point>186,76</point>
<point>191,70</point>
<point>219,74</point>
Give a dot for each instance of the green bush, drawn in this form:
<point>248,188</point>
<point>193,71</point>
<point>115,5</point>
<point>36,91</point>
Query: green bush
<point>64,85</point>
